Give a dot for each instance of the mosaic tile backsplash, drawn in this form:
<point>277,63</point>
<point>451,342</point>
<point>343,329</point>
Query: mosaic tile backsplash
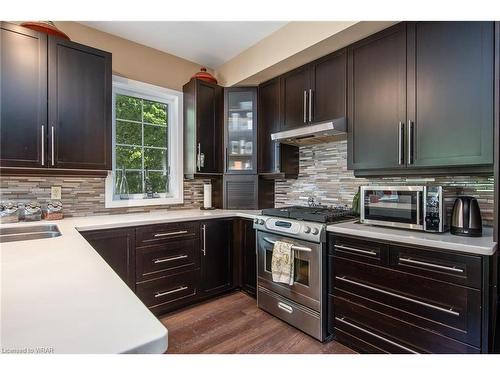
<point>324,176</point>
<point>84,196</point>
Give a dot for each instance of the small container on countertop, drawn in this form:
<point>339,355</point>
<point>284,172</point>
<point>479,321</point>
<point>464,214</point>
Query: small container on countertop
<point>54,211</point>
<point>32,211</point>
<point>9,212</point>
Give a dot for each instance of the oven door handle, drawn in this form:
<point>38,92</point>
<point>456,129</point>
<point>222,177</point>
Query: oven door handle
<point>294,247</point>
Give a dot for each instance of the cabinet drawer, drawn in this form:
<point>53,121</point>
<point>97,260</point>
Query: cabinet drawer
<point>171,289</point>
<point>454,268</point>
<point>155,234</point>
<point>358,249</point>
<point>168,258</point>
<point>451,310</point>
<point>377,332</point>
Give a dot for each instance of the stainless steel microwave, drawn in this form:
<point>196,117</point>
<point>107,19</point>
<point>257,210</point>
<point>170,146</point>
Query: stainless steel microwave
<point>410,207</point>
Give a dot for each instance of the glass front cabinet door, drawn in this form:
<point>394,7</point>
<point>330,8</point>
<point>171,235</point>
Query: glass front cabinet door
<point>240,106</point>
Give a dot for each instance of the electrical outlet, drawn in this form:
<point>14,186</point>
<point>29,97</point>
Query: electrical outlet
<point>55,192</point>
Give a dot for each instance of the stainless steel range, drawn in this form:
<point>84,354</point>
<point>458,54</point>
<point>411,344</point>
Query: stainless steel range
<point>302,304</point>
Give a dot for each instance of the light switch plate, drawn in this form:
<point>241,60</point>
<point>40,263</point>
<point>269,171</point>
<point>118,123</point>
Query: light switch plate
<point>55,192</point>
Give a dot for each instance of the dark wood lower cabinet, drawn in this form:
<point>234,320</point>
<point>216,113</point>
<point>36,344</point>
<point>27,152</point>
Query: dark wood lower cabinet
<point>245,262</point>
<point>117,248</point>
<point>392,298</point>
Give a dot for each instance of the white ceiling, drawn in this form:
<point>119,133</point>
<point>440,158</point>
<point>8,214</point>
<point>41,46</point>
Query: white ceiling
<point>207,43</point>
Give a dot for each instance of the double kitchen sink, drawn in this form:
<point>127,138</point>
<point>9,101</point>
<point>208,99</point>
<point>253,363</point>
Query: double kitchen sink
<point>32,232</point>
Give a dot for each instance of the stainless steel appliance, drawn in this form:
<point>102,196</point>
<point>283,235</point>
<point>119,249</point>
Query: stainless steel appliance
<point>302,304</point>
<point>330,131</point>
<point>411,207</point>
<point>466,218</point>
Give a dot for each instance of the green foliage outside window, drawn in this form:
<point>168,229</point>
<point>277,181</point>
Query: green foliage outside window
<point>141,142</point>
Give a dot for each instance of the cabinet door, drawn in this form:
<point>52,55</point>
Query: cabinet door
<point>249,258</point>
<point>329,76</point>
<point>79,106</point>
<point>377,100</point>
<point>450,97</point>
<point>209,106</point>
<point>295,86</point>
<point>216,256</point>
<point>23,96</point>
<point>116,247</point>
<point>269,123</point>
<point>240,130</point>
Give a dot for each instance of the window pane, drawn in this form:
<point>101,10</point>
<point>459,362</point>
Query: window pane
<point>159,182</point>
<point>128,157</point>
<point>155,113</point>
<point>128,108</point>
<point>155,159</point>
<point>128,133</point>
<point>155,136</point>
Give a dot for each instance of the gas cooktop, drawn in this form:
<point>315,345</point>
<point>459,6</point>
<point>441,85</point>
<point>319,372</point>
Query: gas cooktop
<point>319,214</point>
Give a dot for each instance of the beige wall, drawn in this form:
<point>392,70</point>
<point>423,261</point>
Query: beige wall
<point>293,45</point>
<point>133,60</point>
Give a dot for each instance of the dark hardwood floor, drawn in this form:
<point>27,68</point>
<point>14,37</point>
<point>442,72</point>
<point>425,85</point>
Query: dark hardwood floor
<point>233,324</point>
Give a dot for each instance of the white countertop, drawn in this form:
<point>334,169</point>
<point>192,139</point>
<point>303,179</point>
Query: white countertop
<point>473,245</point>
<point>60,295</point>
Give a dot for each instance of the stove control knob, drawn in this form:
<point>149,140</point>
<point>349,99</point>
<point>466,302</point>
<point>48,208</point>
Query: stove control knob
<point>261,221</point>
<point>256,221</point>
<point>307,229</point>
<point>315,231</point>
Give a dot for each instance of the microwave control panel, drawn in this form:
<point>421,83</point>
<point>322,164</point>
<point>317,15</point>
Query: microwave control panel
<point>433,209</point>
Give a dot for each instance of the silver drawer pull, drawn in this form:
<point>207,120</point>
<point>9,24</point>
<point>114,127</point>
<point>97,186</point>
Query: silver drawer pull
<point>285,307</point>
<point>412,261</point>
<point>161,294</point>
<point>294,247</point>
<point>170,233</point>
<point>375,335</point>
<point>449,311</point>
<point>342,247</point>
<point>163,260</point>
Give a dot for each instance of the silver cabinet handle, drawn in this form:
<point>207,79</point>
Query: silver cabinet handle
<point>310,104</point>
<point>413,261</point>
<point>294,247</point>
<point>449,311</point>
<point>400,143</point>
<point>198,157</point>
<point>410,142</point>
<point>43,144</point>
<point>170,233</point>
<point>163,260</point>
<point>305,105</point>
<point>368,252</point>
<point>161,294</point>
<point>52,139</point>
<point>204,231</point>
<point>375,335</point>
<point>285,307</point>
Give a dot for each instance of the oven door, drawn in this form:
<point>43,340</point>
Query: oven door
<point>399,206</point>
<point>306,288</point>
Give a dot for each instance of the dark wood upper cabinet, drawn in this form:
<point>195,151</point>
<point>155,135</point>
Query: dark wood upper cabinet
<point>23,97</point>
<point>294,98</point>
<point>203,128</point>
<point>216,265</point>
<point>55,104</point>
<point>272,157</point>
<point>450,93</point>
<point>328,87</point>
<point>377,100</point>
<point>79,106</point>
<point>117,248</point>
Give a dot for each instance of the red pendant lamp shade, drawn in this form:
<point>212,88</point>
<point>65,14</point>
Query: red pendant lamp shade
<point>205,76</point>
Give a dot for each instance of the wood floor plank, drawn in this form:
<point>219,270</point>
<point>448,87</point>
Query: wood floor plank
<point>234,324</point>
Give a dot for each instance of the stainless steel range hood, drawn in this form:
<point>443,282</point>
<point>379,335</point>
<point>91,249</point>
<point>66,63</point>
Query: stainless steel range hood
<point>330,131</point>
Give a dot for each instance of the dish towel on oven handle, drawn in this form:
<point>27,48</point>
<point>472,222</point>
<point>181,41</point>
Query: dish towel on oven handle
<point>282,263</point>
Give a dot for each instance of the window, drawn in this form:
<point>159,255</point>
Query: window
<point>147,145</point>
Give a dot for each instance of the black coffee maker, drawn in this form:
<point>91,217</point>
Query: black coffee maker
<point>466,218</point>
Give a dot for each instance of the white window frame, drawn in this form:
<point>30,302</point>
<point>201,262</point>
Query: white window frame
<point>173,99</point>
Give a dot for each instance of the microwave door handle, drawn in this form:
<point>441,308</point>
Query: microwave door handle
<point>418,208</point>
